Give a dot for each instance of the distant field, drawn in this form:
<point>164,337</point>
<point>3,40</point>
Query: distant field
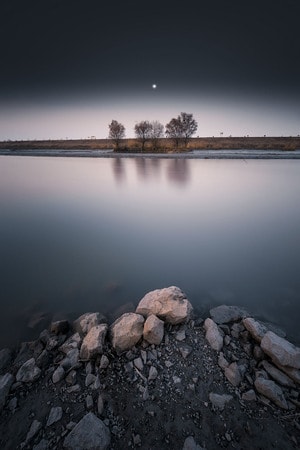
<point>164,145</point>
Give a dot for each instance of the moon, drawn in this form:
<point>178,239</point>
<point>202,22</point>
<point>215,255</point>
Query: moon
<point>154,86</point>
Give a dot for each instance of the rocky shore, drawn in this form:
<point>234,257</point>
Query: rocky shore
<point>156,378</point>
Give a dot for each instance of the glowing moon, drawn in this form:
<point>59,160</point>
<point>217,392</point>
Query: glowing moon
<point>154,86</point>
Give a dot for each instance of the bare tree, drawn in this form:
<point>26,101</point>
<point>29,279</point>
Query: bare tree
<point>156,132</point>
<point>116,132</point>
<point>143,131</point>
<point>174,130</point>
<point>189,126</point>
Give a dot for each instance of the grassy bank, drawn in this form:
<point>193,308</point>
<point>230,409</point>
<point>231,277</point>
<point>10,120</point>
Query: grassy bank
<point>164,145</point>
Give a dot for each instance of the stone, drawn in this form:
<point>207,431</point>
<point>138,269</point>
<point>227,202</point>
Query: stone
<point>233,375</point>
<point>90,379</point>
<point>219,401</point>
<point>42,445</point>
<point>226,314</point>
<point>71,359</point>
<point>190,444</point>
<point>58,375</point>
<point>272,391</point>
<point>280,350</point>
<point>54,416</point>
<point>249,396</point>
<point>55,341</point>
<point>73,342</point>
<point>104,362</point>
<point>90,433</point>
<point>213,335</point>
<point>258,353</point>
<point>138,363</point>
<point>126,331</point>
<point>5,358</point>
<point>169,304</point>
<point>93,343</point>
<point>100,405</point>
<point>180,335</point>
<point>59,327</point>
<point>255,328</point>
<point>294,374</point>
<point>6,382</point>
<point>185,350</point>
<point>34,429</point>
<point>152,373</point>
<point>44,359</point>
<point>277,375</point>
<point>222,361</point>
<point>71,377</point>
<point>153,330</point>
<point>87,321</point>
<point>74,389</point>
<point>28,372</point>
<point>89,402</point>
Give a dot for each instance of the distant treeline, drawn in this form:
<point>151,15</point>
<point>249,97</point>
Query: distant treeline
<point>164,144</point>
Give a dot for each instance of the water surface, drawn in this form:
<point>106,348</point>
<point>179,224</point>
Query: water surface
<point>81,234</point>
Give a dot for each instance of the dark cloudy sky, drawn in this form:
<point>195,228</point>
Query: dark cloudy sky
<point>68,67</point>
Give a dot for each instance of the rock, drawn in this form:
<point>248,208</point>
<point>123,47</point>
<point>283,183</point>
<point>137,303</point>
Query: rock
<point>180,335</point>
<point>59,327</point>
<point>89,433</point>
<point>93,342</point>
<point>249,396</point>
<point>87,321</point>
<point>280,350</point>
<point>42,445</point>
<point>5,358</point>
<point>58,375</point>
<point>294,374</point>
<point>226,314</point>
<point>71,359</point>
<point>255,328</point>
<point>152,373</point>
<point>71,343</point>
<point>71,377</point>
<point>213,335</point>
<point>169,304</point>
<point>6,382</point>
<point>176,379</point>
<point>55,341</point>
<point>89,402</point>
<point>74,389</point>
<point>222,361</point>
<point>153,330</point>
<point>28,372</point>
<point>233,375</point>
<point>138,363</point>
<point>34,429</point>
<point>54,416</point>
<point>104,362</point>
<point>272,391</point>
<point>277,375</point>
<point>126,331</point>
<point>100,405</point>
<point>219,401</point>
<point>190,444</point>
<point>258,353</point>
<point>90,379</point>
<point>185,350</point>
<point>44,359</point>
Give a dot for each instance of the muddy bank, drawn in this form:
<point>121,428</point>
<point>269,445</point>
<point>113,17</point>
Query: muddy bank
<point>157,378</point>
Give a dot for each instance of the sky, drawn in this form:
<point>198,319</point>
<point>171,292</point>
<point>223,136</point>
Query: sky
<point>69,67</point>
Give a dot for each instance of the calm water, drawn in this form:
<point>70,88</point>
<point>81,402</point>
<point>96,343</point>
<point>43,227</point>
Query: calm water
<point>81,234</point>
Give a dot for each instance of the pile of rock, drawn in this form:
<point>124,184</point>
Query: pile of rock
<point>157,349</point>
<point>254,355</point>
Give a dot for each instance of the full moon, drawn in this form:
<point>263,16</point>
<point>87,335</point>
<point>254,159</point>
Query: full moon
<point>154,86</point>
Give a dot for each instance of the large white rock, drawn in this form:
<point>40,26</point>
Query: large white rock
<point>272,391</point>
<point>127,331</point>
<point>153,330</point>
<point>28,372</point>
<point>255,328</point>
<point>89,434</point>
<point>87,321</point>
<point>169,304</point>
<point>280,350</point>
<point>213,335</point>
<point>93,342</point>
<point>224,314</point>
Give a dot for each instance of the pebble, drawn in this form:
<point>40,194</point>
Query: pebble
<point>89,402</point>
<point>152,373</point>
<point>54,416</point>
<point>58,375</point>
